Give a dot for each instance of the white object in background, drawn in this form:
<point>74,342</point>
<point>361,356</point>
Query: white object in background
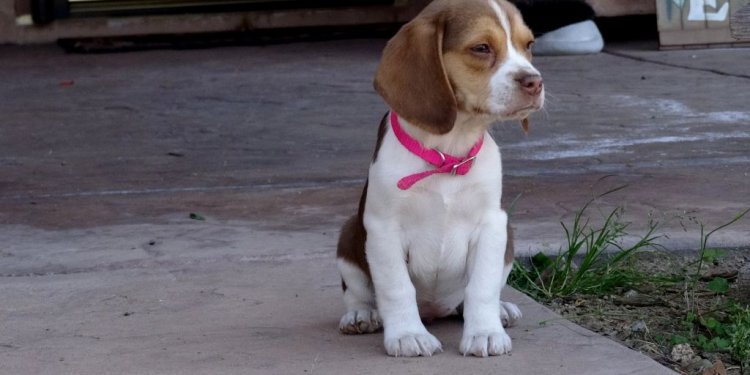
<point>575,39</point>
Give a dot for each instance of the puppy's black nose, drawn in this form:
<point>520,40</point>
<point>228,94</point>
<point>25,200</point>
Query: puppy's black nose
<point>530,83</point>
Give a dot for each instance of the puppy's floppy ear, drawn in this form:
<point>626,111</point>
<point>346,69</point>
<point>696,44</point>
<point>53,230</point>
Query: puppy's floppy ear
<point>411,76</point>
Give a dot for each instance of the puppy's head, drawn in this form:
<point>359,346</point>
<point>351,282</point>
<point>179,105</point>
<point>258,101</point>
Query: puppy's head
<point>472,56</point>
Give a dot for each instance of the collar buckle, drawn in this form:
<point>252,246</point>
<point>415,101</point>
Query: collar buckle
<point>459,164</point>
<point>442,157</point>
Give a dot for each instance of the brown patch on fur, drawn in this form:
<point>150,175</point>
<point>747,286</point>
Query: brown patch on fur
<point>521,34</point>
<point>471,72</point>
<point>351,246</point>
<point>411,77</point>
<point>509,249</point>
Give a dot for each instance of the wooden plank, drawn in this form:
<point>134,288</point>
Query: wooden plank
<point>695,37</point>
<point>616,8</point>
<point>694,15</point>
<point>721,11</point>
<point>669,15</point>
<point>740,23</point>
<point>703,22</point>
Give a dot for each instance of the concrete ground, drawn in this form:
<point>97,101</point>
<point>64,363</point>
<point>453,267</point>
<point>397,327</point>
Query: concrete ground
<point>103,158</point>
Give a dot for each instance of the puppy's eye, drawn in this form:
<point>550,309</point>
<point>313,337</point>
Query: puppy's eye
<point>481,48</point>
<point>528,46</point>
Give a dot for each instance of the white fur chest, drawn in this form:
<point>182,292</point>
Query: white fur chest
<point>436,221</point>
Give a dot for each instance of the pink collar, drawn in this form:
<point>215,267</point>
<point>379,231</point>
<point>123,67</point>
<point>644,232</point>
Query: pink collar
<point>445,163</point>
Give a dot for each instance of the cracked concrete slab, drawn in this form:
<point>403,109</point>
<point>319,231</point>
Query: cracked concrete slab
<point>229,298</point>
<point>719,61</point>
<point>103,158</point>
<point>141,135</point>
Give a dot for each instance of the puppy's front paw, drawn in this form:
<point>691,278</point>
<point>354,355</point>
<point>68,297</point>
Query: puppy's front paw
<point>413,345</point>
<point>482,345</point>
<point>509,313</point>
<point>360,321</point>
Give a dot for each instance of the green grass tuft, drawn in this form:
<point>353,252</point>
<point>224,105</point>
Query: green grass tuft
<point>595,262</point>
<point>739,336</point>
<point>602,259</point>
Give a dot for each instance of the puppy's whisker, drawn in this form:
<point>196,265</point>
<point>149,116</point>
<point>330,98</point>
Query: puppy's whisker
<point>545,113</point>
<point>550,97</point>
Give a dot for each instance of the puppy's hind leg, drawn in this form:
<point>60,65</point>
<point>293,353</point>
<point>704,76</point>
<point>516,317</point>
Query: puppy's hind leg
<point>509,312</point>
<point>359,295</point>
<point>361,314</point>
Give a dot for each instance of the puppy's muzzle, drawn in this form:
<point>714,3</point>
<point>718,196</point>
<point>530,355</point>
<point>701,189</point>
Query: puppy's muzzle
<point>531,84</point>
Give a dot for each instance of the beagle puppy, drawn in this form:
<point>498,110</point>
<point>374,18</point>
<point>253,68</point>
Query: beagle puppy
<point>430,239</point>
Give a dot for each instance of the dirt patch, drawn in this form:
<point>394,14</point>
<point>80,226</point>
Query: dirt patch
<point>653,316</point>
